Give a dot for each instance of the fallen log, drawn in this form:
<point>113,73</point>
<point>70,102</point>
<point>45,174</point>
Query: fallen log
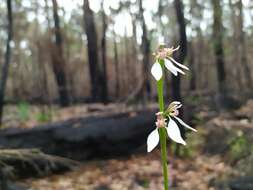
<point>31,162</point>
<point>85,138</point>
<point>22,163</point>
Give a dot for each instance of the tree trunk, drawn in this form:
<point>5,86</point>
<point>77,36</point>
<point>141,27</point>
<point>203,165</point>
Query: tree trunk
<point>134,50</point>
<point>236,57</point>
<point>58,61</point>
<point>116,63</point>
<point>218,46</point>
<point>145,46</point>
<point>104,64</point>
<point>5,68</point>
<point>195,12</point>
<point>95,76</point>
<point>192,86</point>
<point>127,64</point>
<point>242,47</point>
<point>181,54</point>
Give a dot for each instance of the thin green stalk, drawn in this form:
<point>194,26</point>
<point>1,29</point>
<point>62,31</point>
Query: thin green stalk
<point>162,132</point>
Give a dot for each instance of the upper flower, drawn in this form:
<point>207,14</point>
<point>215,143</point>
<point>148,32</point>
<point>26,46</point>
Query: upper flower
<point>170,125</point>
<point>172,65</point>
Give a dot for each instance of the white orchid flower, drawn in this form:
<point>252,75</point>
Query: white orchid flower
<point>171,127</point>
<point>169,63</point>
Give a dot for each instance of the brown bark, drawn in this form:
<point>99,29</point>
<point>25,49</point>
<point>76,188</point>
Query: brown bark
<point>134,50</point>
<point>237,72</point>
<point>5,67</point>
<point>242,46</point>
<point>58,61</point>
<point>116,63</point>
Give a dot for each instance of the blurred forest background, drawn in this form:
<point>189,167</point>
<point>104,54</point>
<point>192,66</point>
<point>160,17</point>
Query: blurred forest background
<point>76,84</point>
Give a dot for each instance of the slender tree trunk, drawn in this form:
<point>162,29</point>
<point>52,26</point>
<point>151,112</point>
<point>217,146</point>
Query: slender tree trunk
<point>95,76</point>
<point>191,53</point>
<point>127,66</point>
<point>237,70</point>
<point>145,51</point>
<point>175,81</point>
<point>47,13</point>
<point>58,61</point>
<point>176,95</point>
<point>116,63</point>
<point>5,68</point>
<point>104,64</point>
<point>218,46</point>
<point>242,46</point>
<point>193,68</point>
<point>134,50</point>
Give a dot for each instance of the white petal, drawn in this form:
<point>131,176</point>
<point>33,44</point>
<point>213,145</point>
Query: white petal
<point>175,102</point>
<point>178,64</point>
<point>184,124</point>
<point>175,105</point>
<point>177,48</point>
<point>157,71</point>
<point>174,132</point>
<point>153,140</point>
<point>170,66</point>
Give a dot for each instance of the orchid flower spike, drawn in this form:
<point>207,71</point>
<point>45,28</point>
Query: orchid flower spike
<point>170,125</point>
<point>171,64</point>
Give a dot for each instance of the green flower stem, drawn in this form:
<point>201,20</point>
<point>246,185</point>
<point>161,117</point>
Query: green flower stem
<point>162,132</point>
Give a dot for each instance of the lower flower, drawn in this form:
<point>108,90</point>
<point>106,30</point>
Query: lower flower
<point>171,127</point>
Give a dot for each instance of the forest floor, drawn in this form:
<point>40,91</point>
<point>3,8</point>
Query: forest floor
<point>215,156</point>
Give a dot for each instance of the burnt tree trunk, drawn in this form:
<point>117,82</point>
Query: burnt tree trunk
<point>104,64</point>
<point>58,61</point>
<point>95,76</point>
<point>181,54</point>
<point>5,68</point>
<point>145,47</point>
<point>218,46</point>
